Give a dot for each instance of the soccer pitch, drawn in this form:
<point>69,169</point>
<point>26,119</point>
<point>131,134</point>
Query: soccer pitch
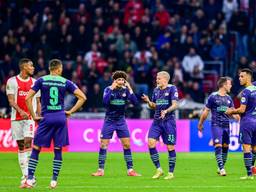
<point>193,172</point>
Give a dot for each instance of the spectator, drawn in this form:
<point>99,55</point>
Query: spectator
<point>229,7</point>
<point>162,16</point>
<point>193,65</point>
<point>218,51</point>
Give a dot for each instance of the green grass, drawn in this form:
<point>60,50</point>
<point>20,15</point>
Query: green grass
<point>193,172</point>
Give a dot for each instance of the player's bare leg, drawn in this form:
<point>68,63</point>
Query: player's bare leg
<point>102,157</point>
<point>155,158</point>
<point>128,157</point>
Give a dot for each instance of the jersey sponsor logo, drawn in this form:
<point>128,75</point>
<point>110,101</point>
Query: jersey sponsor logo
<point>117,102</point>
<point>23,93</point>
<point>162,102</point>
<point>54,108</point>
<point>222,108</point>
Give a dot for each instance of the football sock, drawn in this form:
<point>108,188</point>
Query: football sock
<point>253,157</point>
<point>102,158</point>
<point>172,160</point>
<point>22,162</point>
<point>248,163</point>
<point>218,155</point>
<point>57,162</point>
<point>128,158</point>
<point>224,155</point>
<point>33,163</point>
<point>154,157</point>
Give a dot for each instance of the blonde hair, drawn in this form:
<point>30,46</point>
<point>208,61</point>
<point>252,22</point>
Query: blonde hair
<point>164,74</point>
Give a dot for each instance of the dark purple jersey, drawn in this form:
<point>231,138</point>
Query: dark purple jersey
<point>115,102</point>
<point>218,105</point>
<point>248,98</point>
<point>163,99</point>
<point>53,89</point>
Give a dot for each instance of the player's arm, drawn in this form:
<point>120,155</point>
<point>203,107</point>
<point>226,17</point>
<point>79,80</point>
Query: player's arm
<point>173,107</point>
<point>81,98</point>
<point>131,96</point>
<point>203,117</point>
<point>38,106</point>
<point>240,110</point>
<point>29,100</point>
<point>107,93</point>
<point>146,99</point>
<point>16,107</point>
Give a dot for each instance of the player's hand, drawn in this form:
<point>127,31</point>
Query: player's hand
<point>145,98</point>
<point>24,115</point>
<point>163,113</point>
<point>228,111</point>
<point>114,85</point>
<point>68,113</point>
<point>37,118</point>
<point>127,84</point>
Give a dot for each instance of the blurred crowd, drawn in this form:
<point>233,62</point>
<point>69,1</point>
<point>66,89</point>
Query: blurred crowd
<point>93,38</point>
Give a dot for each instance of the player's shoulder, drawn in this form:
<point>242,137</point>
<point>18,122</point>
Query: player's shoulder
<point>213,94</point>
<point>171,87</point>
<point>250,88</point>
<point>12,79</point>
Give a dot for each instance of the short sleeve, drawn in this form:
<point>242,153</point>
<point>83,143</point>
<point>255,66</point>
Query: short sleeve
<point>154,94</point>
<point>10,87</point>
<point>174,93</point>
<point>38,84</point>
<point>70,86</point>
<point>209,102</point>
<point>245,97</point>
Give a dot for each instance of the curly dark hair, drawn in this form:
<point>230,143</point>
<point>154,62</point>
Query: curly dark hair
<point>119,74</point>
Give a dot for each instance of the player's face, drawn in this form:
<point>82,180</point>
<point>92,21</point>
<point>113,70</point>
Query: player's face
<point>161,81</point>
<point>228,86</point>
<point>29,68</point>
<point>120,82</point>
<point>243,78</point>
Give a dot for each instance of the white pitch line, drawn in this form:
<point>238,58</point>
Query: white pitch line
<point>140,187</point>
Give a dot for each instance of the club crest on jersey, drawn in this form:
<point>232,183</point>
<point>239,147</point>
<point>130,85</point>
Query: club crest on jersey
<point>124,94</point>
<point>166,94</point>
<point>216,140</point>
<point>243,99</point>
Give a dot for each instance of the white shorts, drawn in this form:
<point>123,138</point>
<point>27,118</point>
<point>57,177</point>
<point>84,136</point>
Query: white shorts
<point>22,129</point>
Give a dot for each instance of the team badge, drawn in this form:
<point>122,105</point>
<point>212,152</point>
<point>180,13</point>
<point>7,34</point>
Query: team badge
<point>243,99</point>
<point>166,94</point>
<point>216,140</point>
<point>124,95</point>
